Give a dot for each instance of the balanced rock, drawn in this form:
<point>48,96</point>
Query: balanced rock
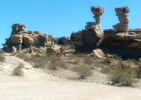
<point>92,35</point>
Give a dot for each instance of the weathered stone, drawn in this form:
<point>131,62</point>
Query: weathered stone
<point>97,10</point>
<point>15,29</point>
<point>77,39</point>
<point>13,49</point>
<point>120,27</point>
<point>16,39</point>
<point>99,53</point>
<point>123,17</point>
<point>22,39</point>
<point>22,28</point>
<point>93,34</point>
<point>64,41</point>
<point>28,40</point>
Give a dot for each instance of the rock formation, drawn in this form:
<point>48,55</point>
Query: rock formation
<point>92,35</point>
<point>123,17</point>
<point>64,41</point>
<point>121,40</point>
<point>21,39</point>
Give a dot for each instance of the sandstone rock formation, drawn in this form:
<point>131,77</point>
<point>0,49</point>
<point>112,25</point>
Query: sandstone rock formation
<point>120,40</point>
<point>64,41</point>
<point>92,35</point>
<point>123,17</point>
<point>21,39</point>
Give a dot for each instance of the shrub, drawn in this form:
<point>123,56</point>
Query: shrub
<point>55,62</point>
<point>88,60</point>
<point>83,71</point>
<point>2,57</point>
<point>18,71</point>
<point>138,69</point>
<point>121,76</point>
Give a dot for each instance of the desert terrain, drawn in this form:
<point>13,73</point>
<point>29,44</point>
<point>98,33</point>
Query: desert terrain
<point>39,85</point>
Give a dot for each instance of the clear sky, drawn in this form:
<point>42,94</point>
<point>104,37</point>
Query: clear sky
<point>62,17</point>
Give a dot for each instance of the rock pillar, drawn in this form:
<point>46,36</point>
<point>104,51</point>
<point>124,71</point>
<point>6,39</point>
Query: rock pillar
<point>123,18</point>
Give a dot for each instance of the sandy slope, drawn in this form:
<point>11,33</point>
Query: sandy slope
<point>37,85</point>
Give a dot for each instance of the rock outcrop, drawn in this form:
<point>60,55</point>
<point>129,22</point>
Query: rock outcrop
<point>64,41</point>
<point>120,40</point>
<point>21,39</point>
<point>93,34</point>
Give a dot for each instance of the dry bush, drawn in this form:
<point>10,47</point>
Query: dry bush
<point>105,69</point>
<point>18,71</point>
<point>2,57</point>
<point>137,70</point>
<point>56,62</point>
<point>88,60</point>
<point>39,63</point>
<point>22,56</point>
<point>83,71</point>
<point>107,61</point>
<point>73,56</point>
<point>122,77</point>
<point>122,74</point>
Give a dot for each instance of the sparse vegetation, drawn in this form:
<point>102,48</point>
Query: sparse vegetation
<point>137,70</point>
<point>88,60</point>
<point>18,71</point>
<point>2,57</point>
<point>122,74</point>
<point>83,71</point>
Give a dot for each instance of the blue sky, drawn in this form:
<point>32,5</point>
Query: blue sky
<point>61,17</point>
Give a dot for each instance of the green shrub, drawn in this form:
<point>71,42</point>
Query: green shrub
<point>83,71</point>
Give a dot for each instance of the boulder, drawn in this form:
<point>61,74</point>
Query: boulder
<point>13,49</point>
<point>28,40</point>
<point>16,39</point>
<point>97,10</point>
<point>99,53</point>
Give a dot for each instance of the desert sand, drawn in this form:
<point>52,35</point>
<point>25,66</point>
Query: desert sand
<point>38,85</point>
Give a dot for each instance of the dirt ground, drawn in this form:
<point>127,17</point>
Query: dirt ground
<point>37,85</point>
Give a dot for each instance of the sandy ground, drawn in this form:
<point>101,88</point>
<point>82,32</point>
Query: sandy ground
<point>37,85</point>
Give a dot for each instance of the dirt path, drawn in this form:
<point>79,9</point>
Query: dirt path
<point>37,85</point>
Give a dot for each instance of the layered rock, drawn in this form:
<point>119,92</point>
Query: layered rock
<point>123,18</point>
<point>93,34</point>
<point>20,38</point>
